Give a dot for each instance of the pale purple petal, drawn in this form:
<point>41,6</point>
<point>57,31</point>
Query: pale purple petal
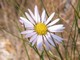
<point>43,16</point>
<point>57,38</point>
<point>49,19</point>
<point>49,39</point>
<point>48,46</point>
<point>53,22</point>
<point>30,34</point>
<point>26,23</point>
<point>30,18</point>
<point>27,31</point>
<point>39,42</point>
<point>37,16</point>
<point>56,28</point>
<point>33,38</point>
<point>21,21</point>
<point>32,15</point>
<point>34,42</point>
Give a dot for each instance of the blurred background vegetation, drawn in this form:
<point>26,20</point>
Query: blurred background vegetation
<point>11,10</point>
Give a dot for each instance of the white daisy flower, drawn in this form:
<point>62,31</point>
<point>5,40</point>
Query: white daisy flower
<point>41,30</point>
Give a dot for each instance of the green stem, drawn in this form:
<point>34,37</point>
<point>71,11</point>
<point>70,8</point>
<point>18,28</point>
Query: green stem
<point>56,47</point>
<point>44,7</point>
<point>75,11</point>
<point>23,41</point>
<point>42,57</point>
<point>46,53</point>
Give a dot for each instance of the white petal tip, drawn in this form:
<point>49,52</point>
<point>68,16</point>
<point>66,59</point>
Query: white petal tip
<point>21,21</point>
<point>22,33</point>
<point>21,17</point>
<point>35,5</point>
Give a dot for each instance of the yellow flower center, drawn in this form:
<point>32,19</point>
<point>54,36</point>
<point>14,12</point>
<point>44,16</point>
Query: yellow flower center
<point>41,28</point>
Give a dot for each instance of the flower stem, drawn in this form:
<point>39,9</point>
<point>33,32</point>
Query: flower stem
<point>44,7</point>
<point>23,40</point>
<point>56,47</point>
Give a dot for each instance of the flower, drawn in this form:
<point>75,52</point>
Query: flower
<point>41,30</point>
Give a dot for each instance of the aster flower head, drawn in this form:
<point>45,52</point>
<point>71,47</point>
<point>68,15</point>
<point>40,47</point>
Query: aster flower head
<point>41,30</point>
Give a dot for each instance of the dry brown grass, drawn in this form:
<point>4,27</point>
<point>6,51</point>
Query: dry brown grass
<point>10,13</point>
